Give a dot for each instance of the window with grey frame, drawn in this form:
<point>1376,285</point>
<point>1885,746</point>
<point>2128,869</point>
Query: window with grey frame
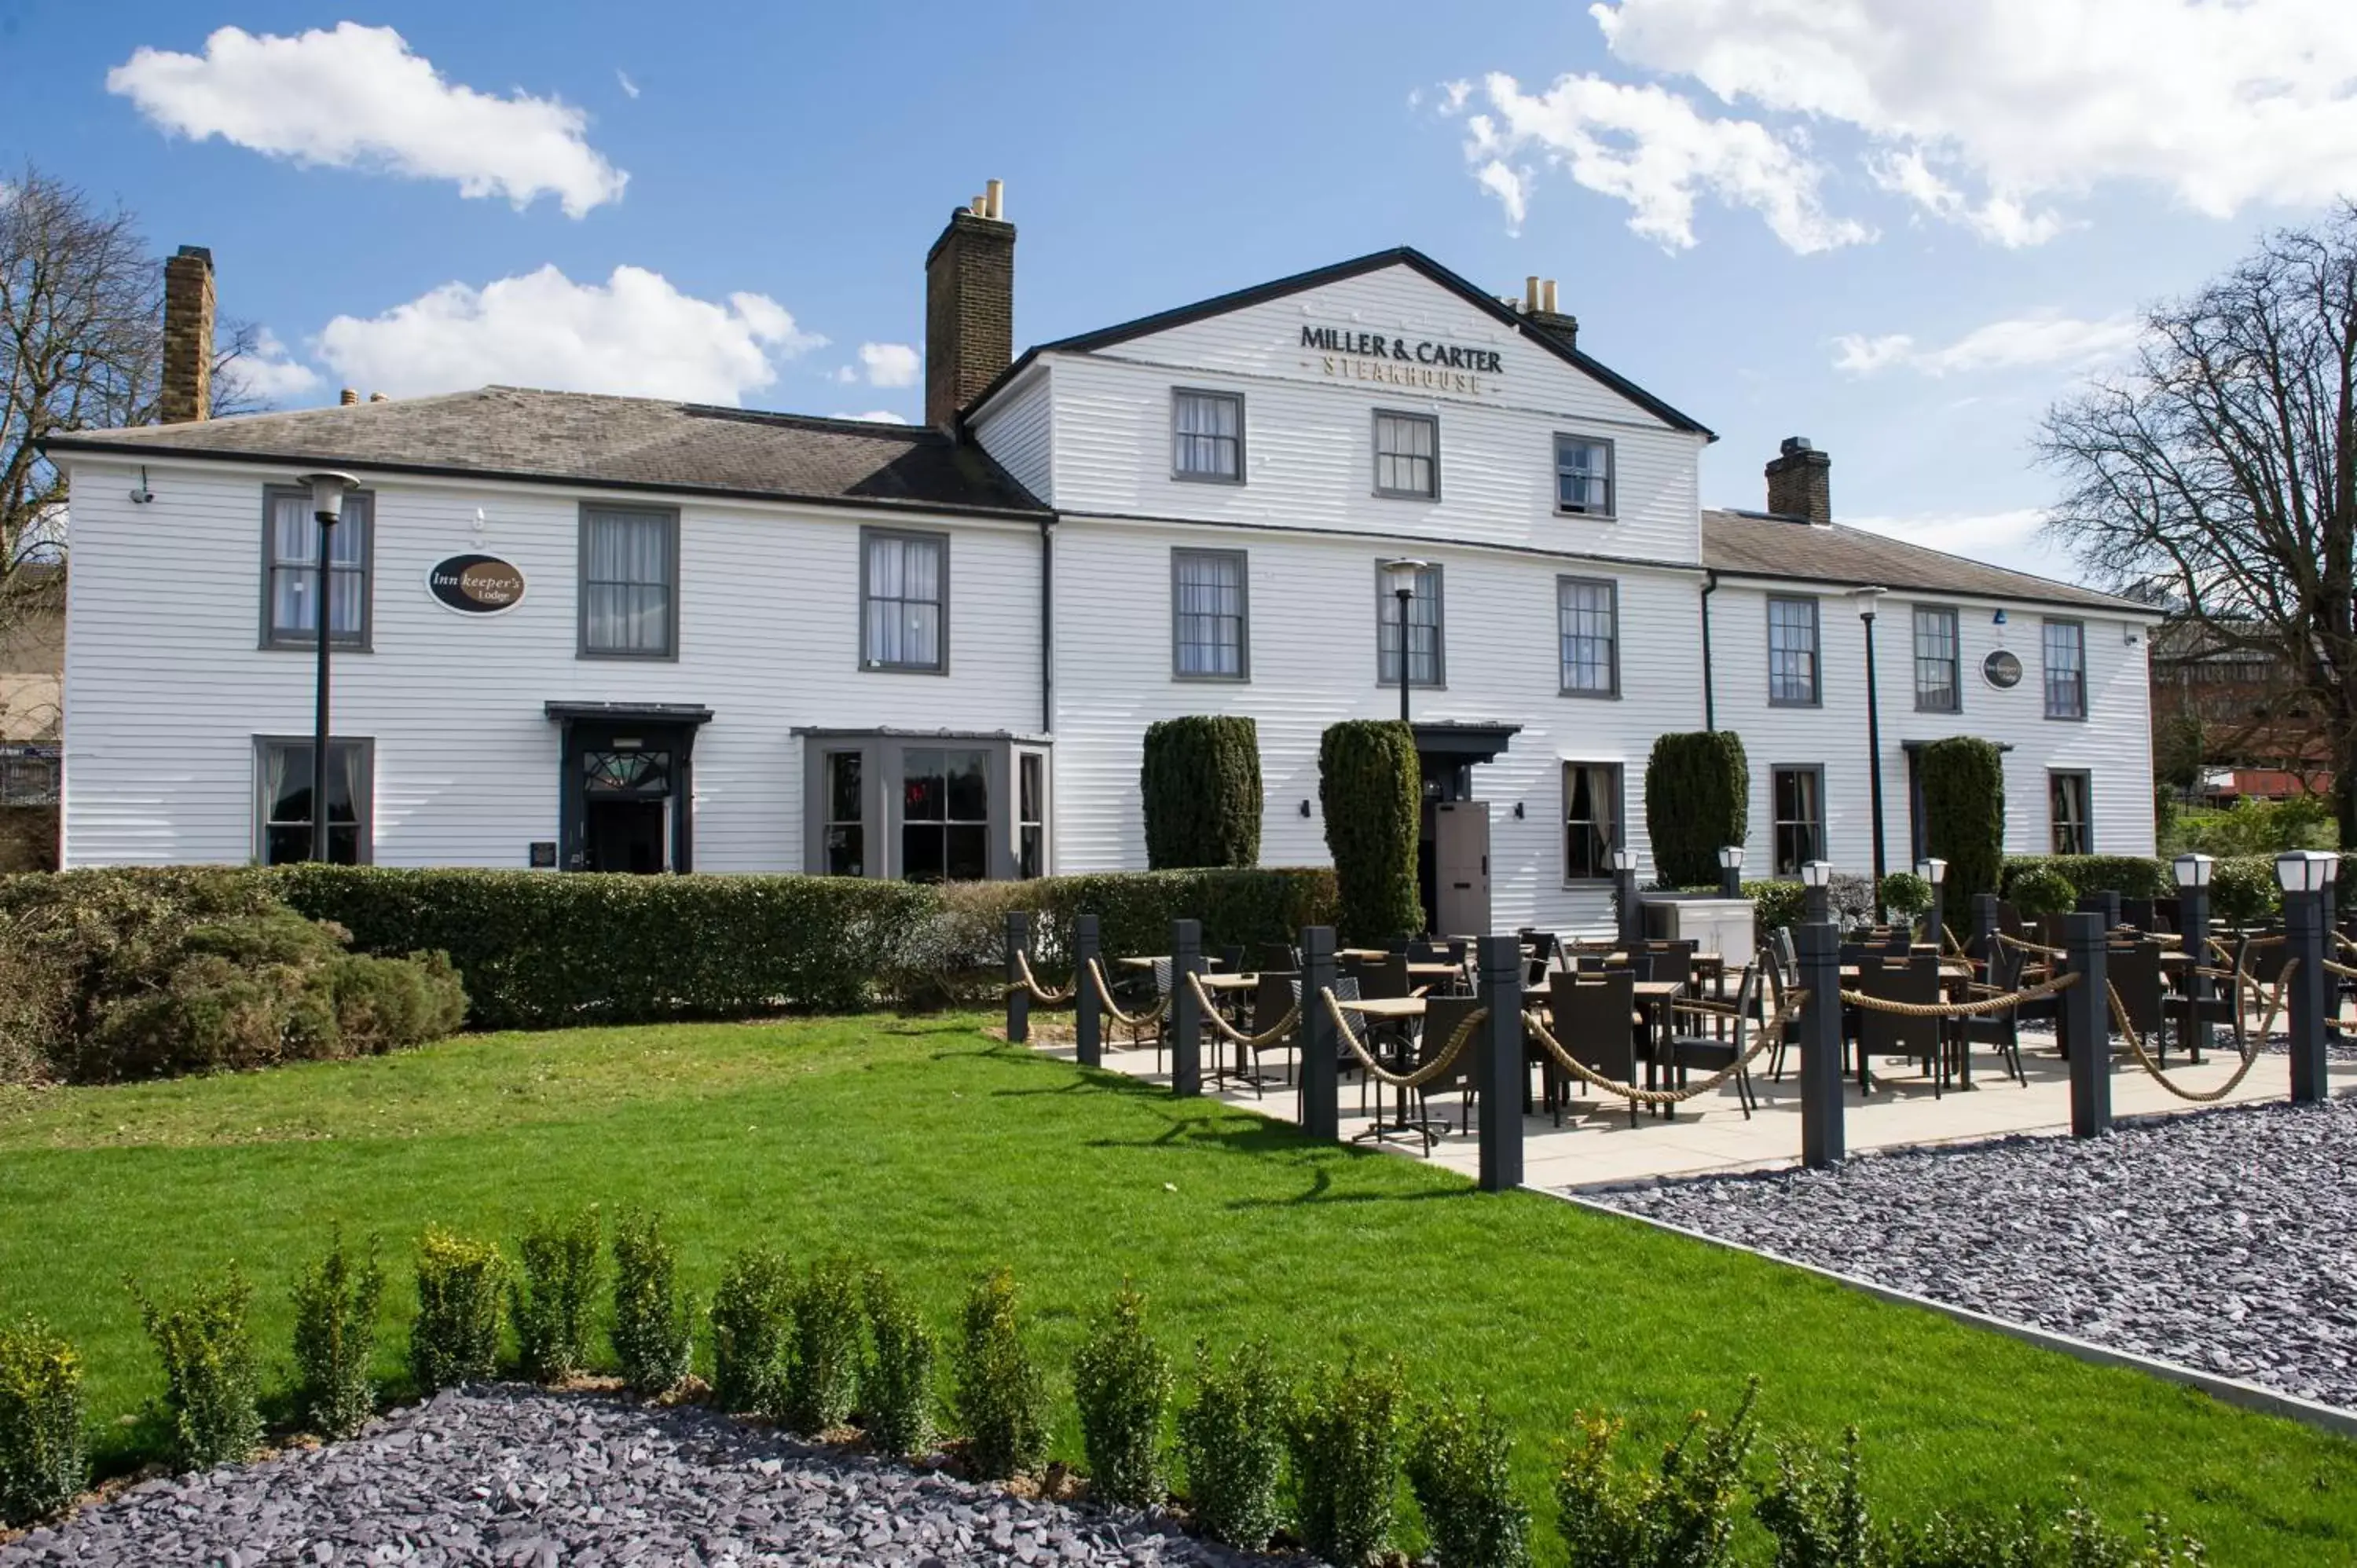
<point>905,601</point>
<point>1582,476</point>
<point>2065,646</point>
<point>1207,436</point>
<point>2067,801</point>
<point>629,583</point>
<point>1426,664</point>
<point>1210,612</point>
<point>1587,616</point>
<point>290,548</point>
<point>1031,814</point>
<point>1938,689</point>
<point>1591,819</point>
<point>1792,652</point>
<point>1407,455</point>
<point>945,814</point>
<point>283,786</point>
<point>846,828</point>
<point>1798,798</point>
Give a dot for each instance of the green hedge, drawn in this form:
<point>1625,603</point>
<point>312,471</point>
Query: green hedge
<point>1697,798</point>
<point>1201,785</point>
<point>1371,789</point>
<point>1963,781</point>
<point>539,950</point>
<point>2129,875</point>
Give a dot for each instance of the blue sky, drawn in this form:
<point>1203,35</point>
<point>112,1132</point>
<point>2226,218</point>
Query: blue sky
<point>1900,236</point>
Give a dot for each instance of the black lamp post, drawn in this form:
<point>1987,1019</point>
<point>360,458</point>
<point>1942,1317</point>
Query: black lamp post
<point>328,492</point>
<point>1867,598</point>
<point>1401,575</point>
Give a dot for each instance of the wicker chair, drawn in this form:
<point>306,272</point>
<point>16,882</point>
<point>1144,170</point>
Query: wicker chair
<point>1711,1052</point>
<point>1593,1019</point>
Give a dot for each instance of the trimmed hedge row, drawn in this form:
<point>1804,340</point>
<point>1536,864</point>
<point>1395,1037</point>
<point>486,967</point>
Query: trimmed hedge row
<point>2129,875</point>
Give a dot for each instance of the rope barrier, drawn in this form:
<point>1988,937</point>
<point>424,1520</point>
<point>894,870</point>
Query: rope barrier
<point>1995,1004</point>
<point>1131,1020</point>
<point>1421,1076</point>
<point>2249,1053</point>
<point>1029,981</point>
<point>1770,1031</point>
<point>2039,948</point>
<point>1266,1038</point>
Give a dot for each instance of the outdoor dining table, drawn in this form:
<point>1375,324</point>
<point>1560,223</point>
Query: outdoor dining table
<point>1391,1009</point>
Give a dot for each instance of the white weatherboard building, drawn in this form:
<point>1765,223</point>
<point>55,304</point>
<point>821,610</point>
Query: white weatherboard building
<point>608,633</point>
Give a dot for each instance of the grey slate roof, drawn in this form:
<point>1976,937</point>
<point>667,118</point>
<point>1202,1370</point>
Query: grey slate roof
<point>1762,544</point>
<point>623,443</point>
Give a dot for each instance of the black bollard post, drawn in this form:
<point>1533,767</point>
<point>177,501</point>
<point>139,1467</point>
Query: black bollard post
<point>1501,1073</point>
<point>1632,916</point>
<point>1938,935</point>
<point>1087,1007</point>
<point>1321,1115</point>
<point>2087,1024</point>
<point>1186,1016</point>
<point>2327,921</point>
<point>1817,946</point>
<point>2304,945</point>
<point>1985,927</point>
<point>1816,906</point>
<point>1018,995</point>
<point>2105,902</point>
<point>2193,930</point>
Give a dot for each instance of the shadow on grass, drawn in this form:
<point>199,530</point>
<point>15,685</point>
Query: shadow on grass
<point>1321,1191</point>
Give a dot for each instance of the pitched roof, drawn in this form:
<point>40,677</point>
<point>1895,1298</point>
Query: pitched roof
<point>1765,544</point>
<point>618,443</point>
<point>1399,255</point>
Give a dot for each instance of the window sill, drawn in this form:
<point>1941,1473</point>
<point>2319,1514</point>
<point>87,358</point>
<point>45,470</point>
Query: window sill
<point>866,668</point>
<point>1611,696</point>
<point>1795,702</point>
<point>1947,711</point>
<point>618,655</point>
<point>1244,680</point>
<point>1586,515</point>
<point>1233,481</point>
<point>1427,497</point>
<point>311,645</point>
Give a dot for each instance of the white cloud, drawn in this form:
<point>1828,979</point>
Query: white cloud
<point>357,98</point>
<point>630,88</point>
<point>2220,104</point>
<point>635,334</point>
<point>873,416</point>
<point>890,364</point>
<point>2009,538</point>
<point>2020,343</point>
<point>1649,147</point>
<point>271,373</point>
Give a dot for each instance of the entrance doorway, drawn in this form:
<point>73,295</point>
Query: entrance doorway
<point>626,835</point>
<point>626,804</point>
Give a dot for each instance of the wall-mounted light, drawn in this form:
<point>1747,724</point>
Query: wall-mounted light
<point>1305,807</point>
<point>142,495</point>
<point>480,521</point>
<point>1518,811</point>
<point>1997,620</point>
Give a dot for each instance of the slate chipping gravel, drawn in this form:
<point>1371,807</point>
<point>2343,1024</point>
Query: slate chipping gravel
<point>507,1475</point>
<point>2224,1241</point>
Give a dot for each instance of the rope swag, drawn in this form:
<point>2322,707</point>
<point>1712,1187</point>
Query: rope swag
<point>1770,1031</point>
<point>1961,1009</point>
<point>1421,1076</point>
<point>1266,1037</point>
<point>2244,1044</point>
<point>1144,1018</point>
<point>1027,981</point>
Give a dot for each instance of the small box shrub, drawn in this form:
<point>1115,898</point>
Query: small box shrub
<point>1905,895</point>
<point>1232,1442</point>
<point>1682,1512</point>
<point>823,1383</point>
<point>1001,1400</point>
<point>336,1304</point>
<point>752,1333</point>
<point>897,1386</point>
<point>209,1372</point>
<point>1460,1467</point>
<point>1818,1520</point>
<point>2043,890</point>
<point>1121,1380</point>
<point>1345,1437</point>
<point>554,1294</point>
<point>44,1450</point>
<point>651,1318</point>
<point>455,1338</point>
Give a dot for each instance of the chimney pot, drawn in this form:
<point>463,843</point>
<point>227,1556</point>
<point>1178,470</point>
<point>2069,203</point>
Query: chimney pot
<point>994,196</point>
<point>1530,292</point>
<point>1546,296</point>
<point>1800,481</point>
<point>377,397</point>
<point>969,306</point>
<point>348,397</point>
<point>186,394</point>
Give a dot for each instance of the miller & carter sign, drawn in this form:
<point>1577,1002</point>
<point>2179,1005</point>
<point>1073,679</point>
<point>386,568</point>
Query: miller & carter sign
<point>1425,363</point>
<point>476,584</point>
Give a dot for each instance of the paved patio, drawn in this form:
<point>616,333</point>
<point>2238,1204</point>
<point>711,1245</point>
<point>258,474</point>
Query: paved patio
<point>1596,1148</point>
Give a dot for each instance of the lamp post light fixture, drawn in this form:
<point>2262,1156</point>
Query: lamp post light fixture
<point>328,492</point>
<point>1730,870</point>
<point>1934,870</point>
<point>1815,878</point>
<point>1866,600</point>
<point>1401,575</point>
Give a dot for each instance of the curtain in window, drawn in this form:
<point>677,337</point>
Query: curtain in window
<point>1211,608</point>
<point>1792,651</point>
<point>1210,433</point>
<point>355,760</point>
<point>1405,449</point>
<point>904,601</point>
<point>627,590</point>
<point>1424,632</point>
<point>1589,632</point>
<point>295,559</point>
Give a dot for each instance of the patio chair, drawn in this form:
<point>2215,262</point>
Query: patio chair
<point>2139,914</point>
<point>1595,1020</point>
<point>2002,1030</point>
<point>1882,1034</point>
<point>1279,957</point>
<point>1712,1052</point>
<point>2134,970</point>
<point>1272,1000</point>
<point>1443,1017</point>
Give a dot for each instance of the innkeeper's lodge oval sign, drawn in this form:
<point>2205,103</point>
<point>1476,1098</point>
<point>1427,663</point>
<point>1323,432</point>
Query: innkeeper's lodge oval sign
<point>477,585</point>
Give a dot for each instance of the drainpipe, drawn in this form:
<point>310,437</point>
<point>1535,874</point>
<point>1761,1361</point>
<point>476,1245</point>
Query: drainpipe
<point>1048,626</point>
<point>1710,710</point>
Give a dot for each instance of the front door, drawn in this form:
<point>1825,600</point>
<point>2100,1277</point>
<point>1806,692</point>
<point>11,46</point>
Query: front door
<point>1460,855</point>
<point>626,834</point>
<point>626,803</point>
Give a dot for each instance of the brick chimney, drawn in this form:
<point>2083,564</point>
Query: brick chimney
<point>1800,482</point>
<point>969,306</point>
<point>187,395</point>
<point>1538,310</point>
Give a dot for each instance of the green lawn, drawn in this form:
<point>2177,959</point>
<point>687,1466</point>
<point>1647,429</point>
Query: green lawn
<point>926,1146</point>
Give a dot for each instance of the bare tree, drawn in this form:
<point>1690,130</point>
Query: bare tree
<point>2218,474</point>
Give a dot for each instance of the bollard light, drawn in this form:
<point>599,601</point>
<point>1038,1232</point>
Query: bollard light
<point>2193,870</point>
<point>2306,870</point>
<point>1730,857</point>
<point>1934,871</point>
<point>1816,873</point>
<point>1624,859</point>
